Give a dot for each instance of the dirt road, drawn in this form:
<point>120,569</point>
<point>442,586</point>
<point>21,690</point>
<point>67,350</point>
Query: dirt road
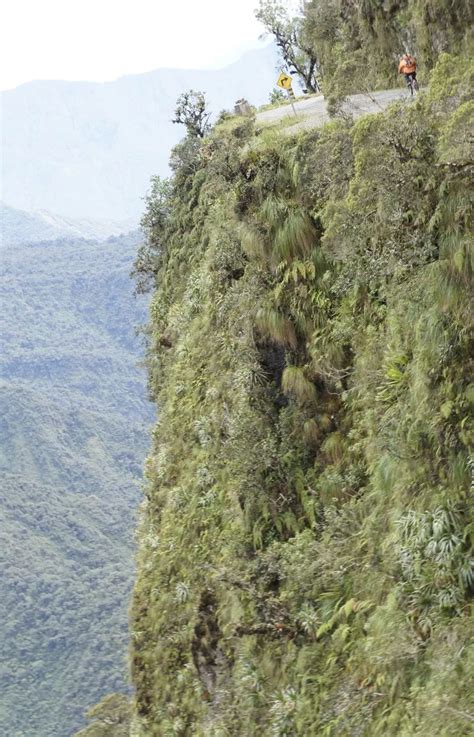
<point>312,111</point>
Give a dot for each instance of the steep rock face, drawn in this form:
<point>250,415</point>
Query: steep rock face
<point>88,150</point>
<point>305,562</point>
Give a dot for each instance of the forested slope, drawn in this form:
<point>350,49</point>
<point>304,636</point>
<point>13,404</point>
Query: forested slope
<point>73,431</point>
<point>305,563</point>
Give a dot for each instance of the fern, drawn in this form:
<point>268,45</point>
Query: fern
<point>295,383</point>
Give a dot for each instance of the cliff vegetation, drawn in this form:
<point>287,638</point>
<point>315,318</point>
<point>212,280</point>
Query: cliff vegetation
<point>305,563</point>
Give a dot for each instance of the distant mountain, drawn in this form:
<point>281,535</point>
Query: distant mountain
<point>73,435</point>
<point>88,150</point>
<point>18,226</point>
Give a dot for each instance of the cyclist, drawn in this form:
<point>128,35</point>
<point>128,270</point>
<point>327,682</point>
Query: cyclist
<point>407,66</point>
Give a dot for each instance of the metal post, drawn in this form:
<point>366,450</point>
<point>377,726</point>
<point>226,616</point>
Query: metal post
<point>291,96</point>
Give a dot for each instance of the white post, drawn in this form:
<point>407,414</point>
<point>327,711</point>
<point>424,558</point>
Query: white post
<point>291,95</point>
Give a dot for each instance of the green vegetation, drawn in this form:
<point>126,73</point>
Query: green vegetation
<point>110,718</point>
<point>276,98</point>
<point>67,568</point>
<point>191,111</point>
<point>298,54</point>
<point>355,46</point>
<point>73,435</point>
<point>305,564</point>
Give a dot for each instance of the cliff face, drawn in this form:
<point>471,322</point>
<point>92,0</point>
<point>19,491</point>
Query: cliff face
<point>305,542</point>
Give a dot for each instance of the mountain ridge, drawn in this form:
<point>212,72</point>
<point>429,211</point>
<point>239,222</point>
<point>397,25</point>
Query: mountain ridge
<point>203,70</point>
<point>20,226</point>
<point>89,149</point>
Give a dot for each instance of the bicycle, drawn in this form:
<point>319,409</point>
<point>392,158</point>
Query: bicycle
<point>412,84</point>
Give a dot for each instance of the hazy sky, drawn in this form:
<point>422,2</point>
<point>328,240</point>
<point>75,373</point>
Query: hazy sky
<point>98,40</point>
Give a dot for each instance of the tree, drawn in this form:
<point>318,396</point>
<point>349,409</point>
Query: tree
<point>191,111</point>
<point>277,96</point>
<point>295,49</point>
<point>153,224</point>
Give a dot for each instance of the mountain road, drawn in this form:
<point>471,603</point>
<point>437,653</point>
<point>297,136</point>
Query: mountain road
<point>312,112</point>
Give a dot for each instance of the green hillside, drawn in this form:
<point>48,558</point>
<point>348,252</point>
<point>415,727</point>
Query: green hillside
<point>73,430</point>
<point>67,567</point>
<point>305,564</point>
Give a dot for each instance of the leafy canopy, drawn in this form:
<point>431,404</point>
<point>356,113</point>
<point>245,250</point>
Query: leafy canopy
<point>288,30</point>
<point>191,111</point>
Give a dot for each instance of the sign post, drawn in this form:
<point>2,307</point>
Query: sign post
<point>285,82</point>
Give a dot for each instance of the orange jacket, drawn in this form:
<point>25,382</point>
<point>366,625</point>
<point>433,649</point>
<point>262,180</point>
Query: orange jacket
<point>407,64</point>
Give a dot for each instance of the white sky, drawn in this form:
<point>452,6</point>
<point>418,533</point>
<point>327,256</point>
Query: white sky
<point>99,40</point>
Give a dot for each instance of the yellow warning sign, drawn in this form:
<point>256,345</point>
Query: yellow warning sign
<point>284,80</point>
